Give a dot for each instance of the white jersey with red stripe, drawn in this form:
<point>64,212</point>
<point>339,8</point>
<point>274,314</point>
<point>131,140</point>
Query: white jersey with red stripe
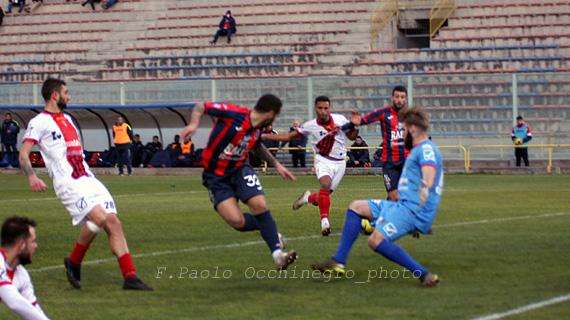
<point>19,278</point>
<point>21,281</point>
<point>46,133</point>
<point>316,132</point>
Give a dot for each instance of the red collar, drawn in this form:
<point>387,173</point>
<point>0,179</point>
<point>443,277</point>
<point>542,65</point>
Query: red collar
<point>329,125</point>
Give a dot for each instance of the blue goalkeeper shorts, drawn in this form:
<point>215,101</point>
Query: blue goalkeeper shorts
<point>391,219</point>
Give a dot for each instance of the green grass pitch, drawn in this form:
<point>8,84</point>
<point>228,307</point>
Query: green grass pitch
<point>500,242</point>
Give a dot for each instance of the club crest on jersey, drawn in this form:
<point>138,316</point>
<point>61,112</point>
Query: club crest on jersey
<point>81,204</point>
<point>55,135</point>
<point>236,153</point>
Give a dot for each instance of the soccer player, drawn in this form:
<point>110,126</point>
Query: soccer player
<point>229,177</point>
<point>86,199</point>
<point>329,145</point>
<point>17,248</point>
<point>420,189</point>
<point>394,151</point>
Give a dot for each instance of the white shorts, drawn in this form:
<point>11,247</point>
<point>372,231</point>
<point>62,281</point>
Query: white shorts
<point>333,169</point>
<point>80,197</point>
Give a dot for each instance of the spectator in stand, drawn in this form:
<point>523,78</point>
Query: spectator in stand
<point>9,136</point>
<point>109,3</point>
<point>377,161</point>
<point>521,135</point>
<point>150,150</point>
<point>19,3</point>
<point>91,2</point>
<point>123,134</point>
<point>137,150</point>
<point>297,156</point>
<point>270,144</point>
<point>227,27</point>
<point>2,15</point>
<point>359,157</point>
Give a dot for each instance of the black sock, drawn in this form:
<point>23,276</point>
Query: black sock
<point>268,230</point>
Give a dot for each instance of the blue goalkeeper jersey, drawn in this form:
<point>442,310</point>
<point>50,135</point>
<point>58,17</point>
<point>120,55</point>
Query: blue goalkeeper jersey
<point>423,154</point>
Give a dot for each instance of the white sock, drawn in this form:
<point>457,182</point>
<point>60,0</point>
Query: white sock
<point>276,254</point>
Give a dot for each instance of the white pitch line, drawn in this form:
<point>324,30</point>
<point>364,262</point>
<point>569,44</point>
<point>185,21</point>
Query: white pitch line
<point>251,243</point>
<point>523,309</point>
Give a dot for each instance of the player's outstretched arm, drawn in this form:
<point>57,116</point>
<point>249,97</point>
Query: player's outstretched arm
<point>195,117</point>
<point>264,154</point>
<point>36,184</point>
<point>283,137</point>
<point>20,306</point>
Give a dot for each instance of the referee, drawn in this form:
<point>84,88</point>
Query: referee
<point>123,136</point>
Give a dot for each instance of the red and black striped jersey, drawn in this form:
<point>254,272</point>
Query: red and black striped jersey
<point>231,139</point>
<point>393,146</point>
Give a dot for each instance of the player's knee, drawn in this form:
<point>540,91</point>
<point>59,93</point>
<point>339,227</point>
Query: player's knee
<point>393,195</point>
<point>375,239</point>
<point>357,206</point>
<point>258,205</point>
<point>238,223</point>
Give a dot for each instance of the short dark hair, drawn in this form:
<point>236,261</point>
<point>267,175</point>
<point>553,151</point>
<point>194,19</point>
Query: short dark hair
<point>229,11</point>
<point>519,118</point>
<point>15,228</point>
<point>268,103</point>
<point>155,137</point>
<point>322,99</point>
<point>8,114</point>
<point>415,117</point>
<point>51,85</point>
<point>400,89</point>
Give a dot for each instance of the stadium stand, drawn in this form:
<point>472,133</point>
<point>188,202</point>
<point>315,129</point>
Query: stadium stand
<point>461,74</point>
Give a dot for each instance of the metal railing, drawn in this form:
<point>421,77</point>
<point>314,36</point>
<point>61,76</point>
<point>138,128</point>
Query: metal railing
<point>381,17</point>
<point>465,151</point>
<point>440,12</point>
<point>548,147</point>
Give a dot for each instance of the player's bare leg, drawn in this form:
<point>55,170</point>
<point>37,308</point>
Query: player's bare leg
<point>259,219</point>
<point>73,262</point>
<point>100,219</point>
<point>230,211</point>
<point>323,201</point>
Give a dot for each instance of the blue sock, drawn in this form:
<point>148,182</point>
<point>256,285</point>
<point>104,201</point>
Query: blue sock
<point>268,230</point>
<point>395,253</point>
<point>350,233</point>
<point>250,223</point>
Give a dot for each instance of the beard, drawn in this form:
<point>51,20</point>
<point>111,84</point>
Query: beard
<point>25,258</point>
<point>266,123</point>
<point>61,104</point>
<point>409,141</point>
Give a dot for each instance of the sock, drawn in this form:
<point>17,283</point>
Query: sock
<point>250,223</point>
<point>268,230</point>
<point>349,235</point>
<point>396,254</point>
<point>324,203</point>
<point>314,198</point>
<point>127,266</point>
<point>78,253</point>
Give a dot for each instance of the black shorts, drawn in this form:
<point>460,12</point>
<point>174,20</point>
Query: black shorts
<point>242,184</point>
<point>392,173</point>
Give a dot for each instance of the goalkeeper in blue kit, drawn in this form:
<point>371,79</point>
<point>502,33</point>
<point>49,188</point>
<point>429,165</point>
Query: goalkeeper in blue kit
<point>420,188</point>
